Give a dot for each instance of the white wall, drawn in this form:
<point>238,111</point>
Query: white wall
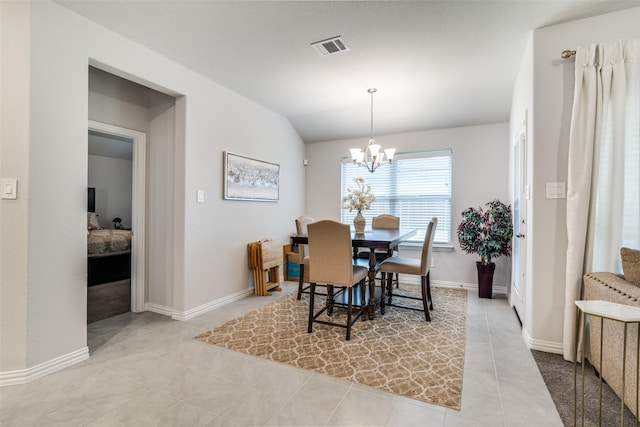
<point>210,237</point>
<point>111,178</point>
<point>14,163</point>
<point>480,174</point>
<point>551,101</point>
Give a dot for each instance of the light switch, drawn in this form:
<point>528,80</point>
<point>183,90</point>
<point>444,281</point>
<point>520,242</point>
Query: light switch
<point>9,188</point>
<point>555,190</point>
<point>200,196</point>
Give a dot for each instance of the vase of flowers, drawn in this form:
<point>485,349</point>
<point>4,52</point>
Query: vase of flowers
<point>359,198</point>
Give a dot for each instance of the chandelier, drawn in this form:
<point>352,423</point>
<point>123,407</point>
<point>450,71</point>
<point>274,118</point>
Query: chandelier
<point>372,156</point>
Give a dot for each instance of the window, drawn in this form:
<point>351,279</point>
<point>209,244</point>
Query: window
<point>415,187</point>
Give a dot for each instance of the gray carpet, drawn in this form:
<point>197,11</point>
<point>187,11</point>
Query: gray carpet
<point>108,300</point>
<point>558,375</point>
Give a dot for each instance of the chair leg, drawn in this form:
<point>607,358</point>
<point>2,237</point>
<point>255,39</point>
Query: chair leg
<point>425,304</point>
<point>429,290</point>
<point>349,308</point>
<point>312,292</point>
<point>301,281</point>
<point>383,291</point>
<point>329,301</point>
<point>389,290</point>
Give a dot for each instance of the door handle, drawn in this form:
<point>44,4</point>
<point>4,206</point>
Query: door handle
<point>520,236</point>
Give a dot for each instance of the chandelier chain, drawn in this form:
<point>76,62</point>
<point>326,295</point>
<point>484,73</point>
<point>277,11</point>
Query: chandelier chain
<point>372,92</point>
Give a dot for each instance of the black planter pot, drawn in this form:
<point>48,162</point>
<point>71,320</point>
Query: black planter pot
<point>485,279</point>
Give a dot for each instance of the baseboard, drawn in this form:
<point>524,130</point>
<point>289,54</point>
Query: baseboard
<point>22,376</point>
<point>447,284</point>
<point>190,314</point>
<point>540,345</point>
<point>157,308</point>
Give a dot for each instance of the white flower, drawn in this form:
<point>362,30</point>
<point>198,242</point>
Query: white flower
<point>359,198</point>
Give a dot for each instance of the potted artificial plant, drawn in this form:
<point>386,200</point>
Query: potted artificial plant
<point>486,233</point>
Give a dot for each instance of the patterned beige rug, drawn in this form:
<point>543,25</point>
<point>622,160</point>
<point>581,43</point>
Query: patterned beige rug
<point>399,352</point>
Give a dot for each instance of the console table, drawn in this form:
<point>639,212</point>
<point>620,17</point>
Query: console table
<point>604,310</point>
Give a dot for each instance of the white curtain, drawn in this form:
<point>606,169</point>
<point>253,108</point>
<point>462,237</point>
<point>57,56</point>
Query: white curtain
<point>603,188</point>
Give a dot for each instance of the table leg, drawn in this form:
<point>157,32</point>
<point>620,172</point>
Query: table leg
<point>372,283</point>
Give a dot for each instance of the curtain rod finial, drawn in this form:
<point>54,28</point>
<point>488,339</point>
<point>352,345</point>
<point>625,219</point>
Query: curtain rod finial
<point>567,54</point>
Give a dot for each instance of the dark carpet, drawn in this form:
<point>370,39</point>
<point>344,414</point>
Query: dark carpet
<point>558,375</point>
<point>108,300</point>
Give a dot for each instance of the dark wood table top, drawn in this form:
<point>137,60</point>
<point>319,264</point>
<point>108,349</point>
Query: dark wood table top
<point>374,239</point>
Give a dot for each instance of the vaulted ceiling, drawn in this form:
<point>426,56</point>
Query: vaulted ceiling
<point>435,64</point>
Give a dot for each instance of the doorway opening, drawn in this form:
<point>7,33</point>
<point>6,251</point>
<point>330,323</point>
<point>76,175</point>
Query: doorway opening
<point>116,240</point>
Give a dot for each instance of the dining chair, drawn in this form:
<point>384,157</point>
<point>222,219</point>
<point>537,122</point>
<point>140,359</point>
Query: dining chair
<point>383,222</point>
<point>418,267</point>
<point>301,228</point>
<point>331,264</point>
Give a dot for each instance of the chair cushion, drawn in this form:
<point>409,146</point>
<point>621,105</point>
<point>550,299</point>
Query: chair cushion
<point>359,273</point>
<point>631,265</point>
<point>401,265</point>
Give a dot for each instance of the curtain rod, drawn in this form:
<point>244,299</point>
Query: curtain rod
<point>567,54</point>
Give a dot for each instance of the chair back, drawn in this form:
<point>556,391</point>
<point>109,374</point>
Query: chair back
<point>427,246</point>
<point>330,253</point>
<point>302,222</point>
<point>301,228</point>
<point>386,222</point>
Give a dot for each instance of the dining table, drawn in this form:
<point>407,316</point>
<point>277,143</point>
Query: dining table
<point>374,239</point>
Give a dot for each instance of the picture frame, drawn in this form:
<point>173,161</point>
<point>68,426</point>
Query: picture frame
<point>250,179</point>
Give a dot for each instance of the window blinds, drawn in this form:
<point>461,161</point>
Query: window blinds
<point>415,187</point>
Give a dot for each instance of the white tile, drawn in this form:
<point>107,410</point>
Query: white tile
<point>253,408</point>
<point>216,394</point>
<point>297,414</point>
<point>322,392</point>
<point>365,407</point>
<point>406,413</point>
<point>185,414</point>
<point>146,369</point>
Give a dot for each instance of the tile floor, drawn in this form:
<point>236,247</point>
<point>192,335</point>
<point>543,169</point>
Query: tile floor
<point>146,370</point>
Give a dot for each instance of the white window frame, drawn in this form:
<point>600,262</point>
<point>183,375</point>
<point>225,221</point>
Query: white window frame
<point>384,184</point>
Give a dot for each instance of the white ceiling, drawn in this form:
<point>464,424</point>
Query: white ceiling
<point>435,64</point>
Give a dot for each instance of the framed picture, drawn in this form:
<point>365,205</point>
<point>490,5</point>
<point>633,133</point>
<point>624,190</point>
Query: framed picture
<point>250,179</point>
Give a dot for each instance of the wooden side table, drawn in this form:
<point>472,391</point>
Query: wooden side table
<point>605,310</point>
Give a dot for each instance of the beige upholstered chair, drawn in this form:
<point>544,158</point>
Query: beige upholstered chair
<point>301,228</point>
<point>331,263</point>
<point>386,222</point>
<point>383,222</point>
<point>418,267</point>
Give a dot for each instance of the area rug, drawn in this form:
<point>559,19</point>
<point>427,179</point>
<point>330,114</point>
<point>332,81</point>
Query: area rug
<point>399,352</point>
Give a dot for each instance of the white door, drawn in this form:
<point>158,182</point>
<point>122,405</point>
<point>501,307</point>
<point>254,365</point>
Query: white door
<point>519,285</point>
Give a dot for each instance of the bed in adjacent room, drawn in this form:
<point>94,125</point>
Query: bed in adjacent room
<point>108,250</point>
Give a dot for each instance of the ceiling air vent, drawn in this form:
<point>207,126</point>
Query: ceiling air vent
<point>330,46</point>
